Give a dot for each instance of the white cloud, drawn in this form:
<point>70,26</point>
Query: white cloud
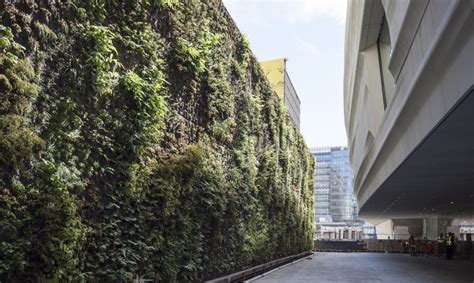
<point>305,10</point>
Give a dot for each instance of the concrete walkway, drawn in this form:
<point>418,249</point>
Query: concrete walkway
<point>372,267</point>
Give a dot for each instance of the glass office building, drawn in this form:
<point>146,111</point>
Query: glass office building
<point>335,206</point>
<point>334,201</point>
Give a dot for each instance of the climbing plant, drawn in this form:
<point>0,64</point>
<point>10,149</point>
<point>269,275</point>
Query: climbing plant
<point>140,139</point>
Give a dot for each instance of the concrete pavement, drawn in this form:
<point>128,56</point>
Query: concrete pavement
<point>372,267</point>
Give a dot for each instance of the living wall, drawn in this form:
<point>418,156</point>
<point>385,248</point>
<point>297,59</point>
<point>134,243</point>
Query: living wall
<point>140,139</point>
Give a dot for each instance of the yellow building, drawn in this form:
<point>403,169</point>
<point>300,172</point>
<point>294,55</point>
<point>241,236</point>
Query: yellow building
<point>276,73</point>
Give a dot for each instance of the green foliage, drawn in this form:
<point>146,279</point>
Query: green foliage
<point>149,102</point>
<point>245,42</point>
<point>140,139</point>
<point>18,90</point>
<point>102,61</point>
<point>169,3</point>
<point>52,215</point>
<point>8,46</point>
<point>195,57</point>
<point>40,229</point>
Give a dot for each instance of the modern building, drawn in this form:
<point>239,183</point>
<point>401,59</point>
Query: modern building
<point>335,209</point>
<point>332,185</point>
<point>409,107</point>
<point>275,70</point>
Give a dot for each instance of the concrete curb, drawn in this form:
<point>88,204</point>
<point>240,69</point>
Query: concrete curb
<point>278,268</point>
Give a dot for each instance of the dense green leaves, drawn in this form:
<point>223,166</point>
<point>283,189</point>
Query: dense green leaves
<point>140,139</point>
<point>102,60</point>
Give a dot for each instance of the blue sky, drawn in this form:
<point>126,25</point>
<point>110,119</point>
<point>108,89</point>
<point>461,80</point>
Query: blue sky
<point>310,34</point>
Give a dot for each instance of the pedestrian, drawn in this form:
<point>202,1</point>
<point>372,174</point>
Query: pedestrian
<point>388,246</point>
<point>412,245</point>
<point>429,249</point>
<point>450,246</point>
<point>441,245</point>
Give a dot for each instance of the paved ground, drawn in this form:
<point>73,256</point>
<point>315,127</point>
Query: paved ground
<point>372,267</point>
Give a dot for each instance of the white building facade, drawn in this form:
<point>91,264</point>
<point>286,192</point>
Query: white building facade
<point>409,105</point>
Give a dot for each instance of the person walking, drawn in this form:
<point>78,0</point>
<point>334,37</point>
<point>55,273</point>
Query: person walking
<point>440,249</point>
<point>429,249</point>
<point>412,245</point>
<point>388,246</point>
<point>450,246</point>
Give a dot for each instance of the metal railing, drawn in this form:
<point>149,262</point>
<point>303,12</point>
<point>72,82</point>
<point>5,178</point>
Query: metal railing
<point>246,274</point>
<point>420,247</point>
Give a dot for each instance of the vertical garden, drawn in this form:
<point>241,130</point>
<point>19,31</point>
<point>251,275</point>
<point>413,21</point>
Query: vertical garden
<point>140,139</point>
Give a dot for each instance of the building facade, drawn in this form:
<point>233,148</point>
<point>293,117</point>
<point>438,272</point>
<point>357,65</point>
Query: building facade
<point>332,185</point>
<point>408,97</point>
<point>275,70</point>
<point>335,208</point>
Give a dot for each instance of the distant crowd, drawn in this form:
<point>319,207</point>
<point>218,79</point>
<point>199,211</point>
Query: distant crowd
<point>446,245</point>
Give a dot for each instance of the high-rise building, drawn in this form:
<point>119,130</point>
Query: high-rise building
<point>275,70</point>
<point>335,207</point>
<point>334,200</point>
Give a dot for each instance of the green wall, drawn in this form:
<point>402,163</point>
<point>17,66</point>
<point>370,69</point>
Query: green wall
<point>141,139</point>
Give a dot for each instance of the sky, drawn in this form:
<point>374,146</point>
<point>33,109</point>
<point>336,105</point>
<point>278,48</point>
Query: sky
<point>310,34</point>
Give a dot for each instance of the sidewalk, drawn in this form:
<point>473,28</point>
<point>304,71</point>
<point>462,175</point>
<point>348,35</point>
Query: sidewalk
<point>373,267</point>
